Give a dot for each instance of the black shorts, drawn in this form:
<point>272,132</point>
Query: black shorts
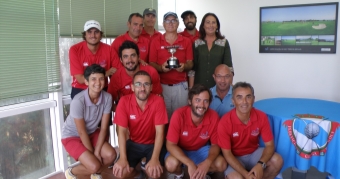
<point>135,152</point>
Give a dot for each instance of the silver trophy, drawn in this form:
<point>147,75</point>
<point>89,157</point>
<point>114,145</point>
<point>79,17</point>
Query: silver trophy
<point>172,61</point>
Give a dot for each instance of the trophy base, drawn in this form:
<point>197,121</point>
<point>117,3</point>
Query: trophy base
<point>172,66</point>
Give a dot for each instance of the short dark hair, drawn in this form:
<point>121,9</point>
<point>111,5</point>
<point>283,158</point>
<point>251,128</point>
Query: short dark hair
<point>127,44</point>
<point>94,68</point>
<point>202,31</point>
<point>142,72</point>
<point>84,34</point>
<point>198,89</point>
<point>134,14</point>
<point>186,13</point>
<point>243,85</point>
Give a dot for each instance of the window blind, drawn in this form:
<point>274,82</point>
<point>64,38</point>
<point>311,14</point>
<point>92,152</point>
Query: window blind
<point>111,14</point>
<point>29,50</point>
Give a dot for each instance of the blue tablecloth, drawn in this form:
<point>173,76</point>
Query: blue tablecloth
<point>306,132</point>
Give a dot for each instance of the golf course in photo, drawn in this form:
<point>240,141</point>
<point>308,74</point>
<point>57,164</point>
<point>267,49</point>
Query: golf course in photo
<point>285,28</point>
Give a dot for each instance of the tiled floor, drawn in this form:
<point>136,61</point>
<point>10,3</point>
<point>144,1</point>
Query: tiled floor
<point>107,174</point>
<point>287,174</point>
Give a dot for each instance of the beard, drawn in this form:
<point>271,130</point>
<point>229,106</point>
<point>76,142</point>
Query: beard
<point>133,68</point>
<point>190,26</point>
<point>193,109</point>
<point>142,98</point>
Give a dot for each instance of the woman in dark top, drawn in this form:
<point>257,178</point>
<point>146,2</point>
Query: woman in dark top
<point>210,50</point>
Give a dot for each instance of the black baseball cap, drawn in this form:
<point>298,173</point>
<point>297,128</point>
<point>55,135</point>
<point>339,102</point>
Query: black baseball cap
<point>149,11</point>
<point>185,13</point>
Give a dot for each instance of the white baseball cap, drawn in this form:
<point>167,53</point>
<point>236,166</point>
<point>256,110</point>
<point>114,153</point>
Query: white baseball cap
<point>92,23</point>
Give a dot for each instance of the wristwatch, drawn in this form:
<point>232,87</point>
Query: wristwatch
<point>262,164</point>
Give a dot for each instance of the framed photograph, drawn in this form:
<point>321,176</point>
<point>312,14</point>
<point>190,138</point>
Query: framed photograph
<point>303,28</point>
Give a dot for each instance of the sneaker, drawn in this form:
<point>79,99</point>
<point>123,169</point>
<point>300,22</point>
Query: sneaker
<point>96,176</point>
<point>69,174</point>
<point>142,165</point>
<point>174,176</point>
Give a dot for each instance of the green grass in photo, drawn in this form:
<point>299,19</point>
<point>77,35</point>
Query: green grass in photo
<point>315,42</point>
<point>268,42</point>
<point>326,43</point>
<point>303,42</point>
<point>298,28</point>
<point>288,41</point>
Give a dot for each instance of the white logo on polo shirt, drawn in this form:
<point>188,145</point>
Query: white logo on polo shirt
<point>204,135</point>
<point>185,133</point>
<point>142,49</point>
<point>235,134</point>
<point>85,64</point>
<point>132,116</point>
<point>102,63</point>
<point>255,132</point>
<point>127,87</point>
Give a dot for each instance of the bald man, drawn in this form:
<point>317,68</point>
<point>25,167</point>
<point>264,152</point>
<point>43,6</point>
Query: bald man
<point>222,91</point>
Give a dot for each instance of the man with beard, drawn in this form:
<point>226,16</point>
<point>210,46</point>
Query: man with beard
<point>122,79</point>
<point>88,52</point>
<point>135,27</point>
<point>191,128</point>
<point>149,21</point>
<point>144,115</point>
<point>190,31</point>
<point>222,91</point>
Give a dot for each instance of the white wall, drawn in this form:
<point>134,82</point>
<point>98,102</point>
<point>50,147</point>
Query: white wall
<point>272,75</point>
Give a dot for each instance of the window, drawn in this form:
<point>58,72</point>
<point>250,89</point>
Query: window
<point>26,149</point>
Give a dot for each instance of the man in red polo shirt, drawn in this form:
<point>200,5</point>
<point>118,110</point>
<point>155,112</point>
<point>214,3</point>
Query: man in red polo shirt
<point>135,27</point>
<point>238,136</point>
<point>191,128</point>
<point>173,80</point>
<point>88,52</point>
<point>190,20</point>
<point>144,115</point>
<point>149,22</point>
<point>122,79</point>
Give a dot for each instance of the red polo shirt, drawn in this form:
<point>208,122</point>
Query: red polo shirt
<point>185,33</point>
<point>150,37</point>
<point>141,124</point>
<point>142,43</point>
<point>186,135</point>
<point>80,57</point>
<point>121,82</point>
<point>159,54</point>
<point>242,138</point>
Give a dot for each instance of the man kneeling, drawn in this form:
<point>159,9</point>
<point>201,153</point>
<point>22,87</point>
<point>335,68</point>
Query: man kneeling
<point>191,128</point>
<point>144,115</point>
<point>238,135</point>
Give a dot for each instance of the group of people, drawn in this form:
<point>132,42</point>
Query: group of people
<point>192,115</point>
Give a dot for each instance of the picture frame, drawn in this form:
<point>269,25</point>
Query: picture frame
<point>303,28</point>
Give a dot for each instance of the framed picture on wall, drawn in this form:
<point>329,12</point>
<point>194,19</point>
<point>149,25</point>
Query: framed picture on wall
<point>303,28</point>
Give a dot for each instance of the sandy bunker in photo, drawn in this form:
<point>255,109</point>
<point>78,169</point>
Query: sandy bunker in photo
<point>320,26</point>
